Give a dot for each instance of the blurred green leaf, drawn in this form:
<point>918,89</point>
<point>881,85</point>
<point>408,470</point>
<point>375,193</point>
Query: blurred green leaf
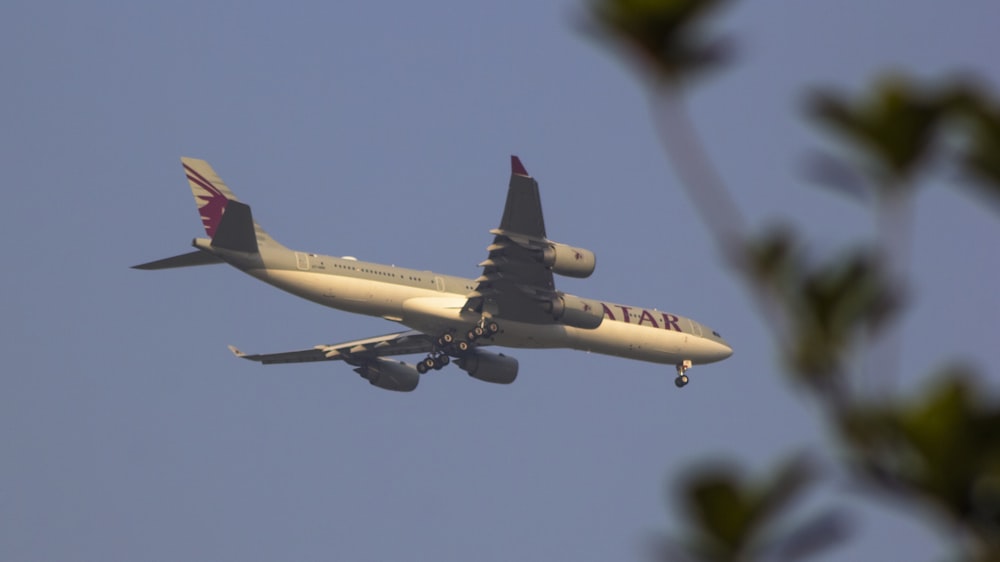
<point>942,449</point>
<point>825,307</point>
<point>664,34</point>
<point>721,509</point>
<point>735,518</point>
<point>835,302</point>
<point>897,127</point>
<point>981,158</point>
<point>894,128</point>
<point>787,483</point>
<point>773,259</point>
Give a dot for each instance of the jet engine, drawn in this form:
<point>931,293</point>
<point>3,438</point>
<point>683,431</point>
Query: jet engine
<point>488,366</point>
<point>576,312</point>
<point>569,261</point>
<point>389,374</point>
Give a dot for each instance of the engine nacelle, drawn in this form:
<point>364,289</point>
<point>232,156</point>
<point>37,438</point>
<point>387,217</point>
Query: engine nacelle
<point>389,374</point>
<point>569,261</point>
<point>491,367</point>
<point>576,312</point>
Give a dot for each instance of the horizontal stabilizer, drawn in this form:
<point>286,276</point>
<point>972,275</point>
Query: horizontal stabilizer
<point>184,260</point>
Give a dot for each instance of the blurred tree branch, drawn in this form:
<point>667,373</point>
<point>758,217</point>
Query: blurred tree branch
<point>940,450</point>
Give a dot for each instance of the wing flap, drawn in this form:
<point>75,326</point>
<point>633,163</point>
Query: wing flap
<point>514,281</point>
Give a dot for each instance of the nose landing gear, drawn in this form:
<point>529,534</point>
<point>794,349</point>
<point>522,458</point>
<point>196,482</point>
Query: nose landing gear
<point>682,378</point>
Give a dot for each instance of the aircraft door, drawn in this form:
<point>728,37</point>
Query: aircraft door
<point>302,261</point>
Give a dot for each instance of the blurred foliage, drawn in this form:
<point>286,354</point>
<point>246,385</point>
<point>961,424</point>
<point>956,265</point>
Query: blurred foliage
<point>826,307</point>
<point>733,519</point>
<point>979,115</point>
<point>897,129</point>
<point>894,128</point>
<point>666,35</point>
<point>832,306</point>
<point>940,450</point>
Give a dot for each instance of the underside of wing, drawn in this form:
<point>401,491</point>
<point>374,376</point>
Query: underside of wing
<point>369,358</point>
<point>523,212</point>
<point>355,352</point>
<point>515,283</point>
<point>517,280</point>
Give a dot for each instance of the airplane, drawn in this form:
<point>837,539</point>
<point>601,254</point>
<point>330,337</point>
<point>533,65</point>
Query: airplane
<point>514,302</point>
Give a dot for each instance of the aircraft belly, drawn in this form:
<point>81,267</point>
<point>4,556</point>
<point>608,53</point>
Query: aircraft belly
<point>622,339</point>
<point>646,343</point>
<point>436,314</point>
<point>440,314</point>
<point>361,296</point>
<point>519,334</point>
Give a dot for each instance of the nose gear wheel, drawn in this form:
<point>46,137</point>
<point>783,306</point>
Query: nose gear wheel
<point>682,378</point>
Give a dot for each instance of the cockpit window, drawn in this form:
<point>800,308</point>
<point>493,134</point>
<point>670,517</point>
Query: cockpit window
<point>716,334</point>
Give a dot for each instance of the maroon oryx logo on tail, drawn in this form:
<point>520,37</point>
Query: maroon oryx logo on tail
<point>211,203</point>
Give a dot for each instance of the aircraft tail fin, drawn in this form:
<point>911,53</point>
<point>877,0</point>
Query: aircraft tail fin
<point>210,192</point>
<point>235,231</point>
<point>227,221</point>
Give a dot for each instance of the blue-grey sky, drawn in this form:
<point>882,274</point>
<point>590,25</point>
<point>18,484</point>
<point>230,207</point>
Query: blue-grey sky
<point>383,130</point>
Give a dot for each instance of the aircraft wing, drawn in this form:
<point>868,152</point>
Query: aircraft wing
<point>515,282</point>
<point>352,352</point>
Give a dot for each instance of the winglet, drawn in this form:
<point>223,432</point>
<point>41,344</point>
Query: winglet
<point>237,352</point>
<point>516,167</point>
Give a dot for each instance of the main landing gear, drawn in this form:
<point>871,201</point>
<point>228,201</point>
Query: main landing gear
<point>485,329</point>
<point>436,361</point>
<point>448,346</point>
<point>682,368</point>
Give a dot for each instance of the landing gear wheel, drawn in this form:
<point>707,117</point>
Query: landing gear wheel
<point>492,328</point>
<point>471,335</point>
<point>441,362</point>
<point>428,363</point>
<point>682,368</point>
<point>447,338</point>
<point>422,368</point>
<point>463,346</point>
<point>478,331</point>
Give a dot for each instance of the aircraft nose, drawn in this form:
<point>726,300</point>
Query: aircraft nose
<point>726,351</point>
<point>721,350</point>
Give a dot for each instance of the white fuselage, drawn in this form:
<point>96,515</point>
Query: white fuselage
<point>435,304</point>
